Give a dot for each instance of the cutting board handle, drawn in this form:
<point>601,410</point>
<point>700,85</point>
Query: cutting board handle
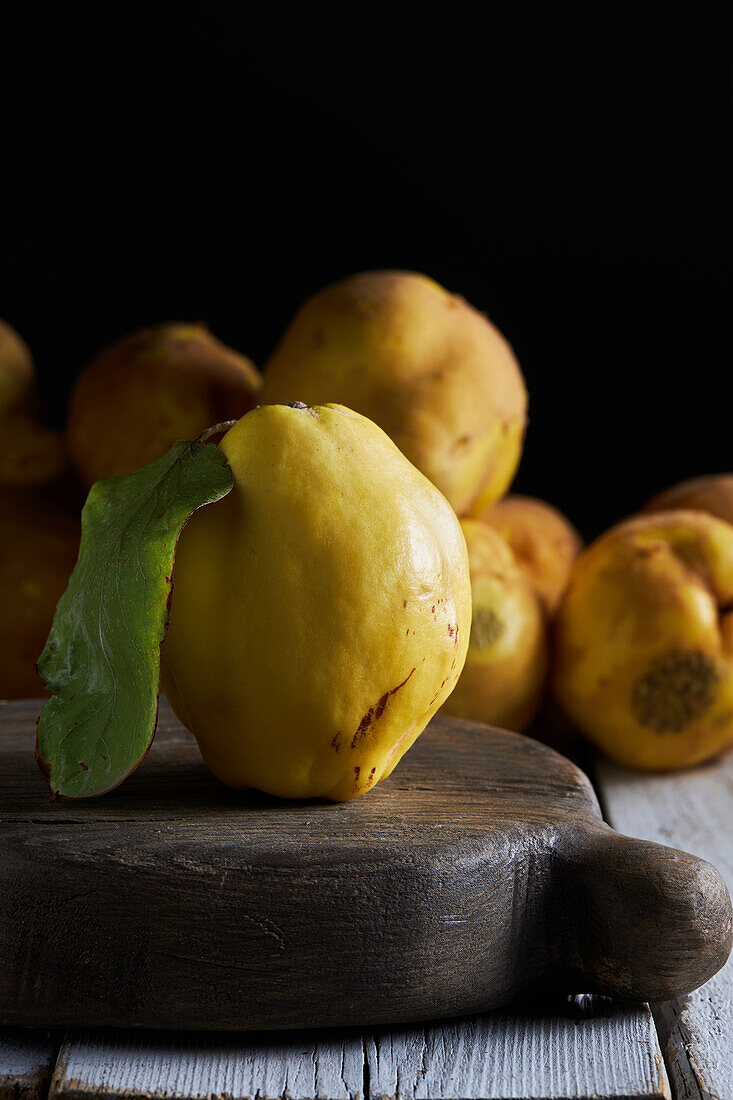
<point>656,922</point>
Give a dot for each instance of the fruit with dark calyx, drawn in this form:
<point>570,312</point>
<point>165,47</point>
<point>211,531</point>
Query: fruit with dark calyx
<point>38,547</point>
<point>503,679</point>
<point>712,494</point>
<point>544,542</point>
<point>142,394</point>
<point>644,641</point>
<point>422,363</point>
<point>320,611</point>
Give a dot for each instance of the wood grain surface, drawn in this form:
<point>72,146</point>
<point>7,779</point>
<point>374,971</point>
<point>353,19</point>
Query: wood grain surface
<point>27,1059</point>
<point>479,871</point>
<point>695,810</point>
<point>586,1047</point>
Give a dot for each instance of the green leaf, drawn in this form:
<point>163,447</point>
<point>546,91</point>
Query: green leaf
<point>102,657</point>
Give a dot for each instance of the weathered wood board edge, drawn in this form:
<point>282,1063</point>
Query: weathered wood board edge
<point>591,1048</point>
<point>27,1061</point>
<point>487,845</point>
<point>692,810</point>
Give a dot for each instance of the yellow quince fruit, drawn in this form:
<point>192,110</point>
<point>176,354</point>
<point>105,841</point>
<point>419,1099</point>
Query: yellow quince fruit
<point>17,373</point>
<point>712,494</point>
<point>503,680</point>
<point>321,611</point>
<point>39,542</point>
<point>644,641</point>
<point>31,455</point>
<point>163,383</point>
<point>421,362</point>
<point>544,542</point>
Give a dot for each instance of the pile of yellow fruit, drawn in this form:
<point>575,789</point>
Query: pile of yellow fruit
<point>631,639</point>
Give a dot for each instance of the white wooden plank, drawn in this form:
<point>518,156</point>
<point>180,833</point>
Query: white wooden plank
<point>196,1066</point>
<point>694,811</point>
<point>26,1062</point>
<point>588,1048</point>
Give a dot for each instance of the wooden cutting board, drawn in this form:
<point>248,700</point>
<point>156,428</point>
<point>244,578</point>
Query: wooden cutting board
<point>480,871</point>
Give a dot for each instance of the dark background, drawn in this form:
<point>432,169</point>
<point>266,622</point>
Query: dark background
<point>564,166</point>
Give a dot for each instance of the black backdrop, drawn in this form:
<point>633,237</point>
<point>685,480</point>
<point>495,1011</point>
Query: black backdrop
<point>564,166</point>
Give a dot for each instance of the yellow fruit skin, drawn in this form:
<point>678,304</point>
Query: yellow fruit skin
<point>432,371</point>
<point>31,455</point>
<point>161,384</point>
<point>644,641</point>
<point>38,548</point>
<point>503,679</point>
<point>17,373</point>
<point>544,542</point>
<point>321,610</point>
<point>712,494</point>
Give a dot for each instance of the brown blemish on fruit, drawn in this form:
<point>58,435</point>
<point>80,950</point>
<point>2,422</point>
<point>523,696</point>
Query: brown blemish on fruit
<point>336,742</point>
<point>363,726</point>
<point>675,691</point>
<point>357,772</point>
<point>374,713</point>
<point>404,603</point>
<point>442,685</point>
<point>370,777</point>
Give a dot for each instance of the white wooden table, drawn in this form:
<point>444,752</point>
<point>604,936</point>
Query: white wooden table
<point>571,1049</point>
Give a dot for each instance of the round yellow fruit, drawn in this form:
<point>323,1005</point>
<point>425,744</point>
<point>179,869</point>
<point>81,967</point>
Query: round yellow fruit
<point>17,373</point>
<point>712,494</point>
<point>544,542</point>
<point>644,641</point>
<point>38,548</point>
<point>161,384</point>
<point>503,679</point>
<point>31,455</point>
<point>432,371</point>
<point>320,611</point>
